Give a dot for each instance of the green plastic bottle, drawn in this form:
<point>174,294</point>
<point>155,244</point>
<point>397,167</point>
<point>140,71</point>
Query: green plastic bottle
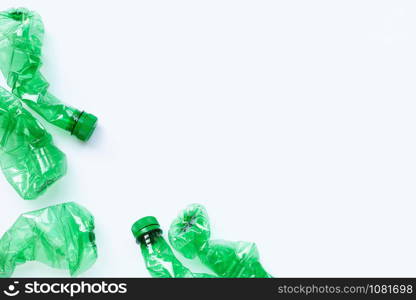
<point>21,36</point>
<point>158,256</point>
<point>190,234</point>
<point>60,236</point>
<point>28,158</point>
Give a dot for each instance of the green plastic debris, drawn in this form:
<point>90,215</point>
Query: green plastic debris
<point>190,233</point>
<point>28,158</point>
<point>60,236</point>
<point>21,38</point>
<point>158,256</point>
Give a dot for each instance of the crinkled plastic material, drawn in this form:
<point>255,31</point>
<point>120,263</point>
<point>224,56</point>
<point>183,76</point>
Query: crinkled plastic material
<point>60,236</point>
<point>28,158</point>
<point>21,38</point>
<point>159,258</point>
<point>190,233</point>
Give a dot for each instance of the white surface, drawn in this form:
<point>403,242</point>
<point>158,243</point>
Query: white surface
<point>297,117</point>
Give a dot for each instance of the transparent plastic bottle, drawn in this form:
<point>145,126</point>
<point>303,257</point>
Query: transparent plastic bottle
<point>190,235</point>
<point>60,236</point>
<point>21,36</point>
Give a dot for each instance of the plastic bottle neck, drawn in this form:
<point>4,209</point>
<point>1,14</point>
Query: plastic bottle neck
<point>150,237</point>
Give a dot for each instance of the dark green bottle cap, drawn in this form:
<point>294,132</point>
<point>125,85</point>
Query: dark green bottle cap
<point>144,225</point>
<point>85,126</point>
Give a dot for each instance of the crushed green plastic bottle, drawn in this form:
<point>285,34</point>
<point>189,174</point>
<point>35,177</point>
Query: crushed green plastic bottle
<point>190,233</point>
<point>28,158</point>
<point>159,258</point>
<point>21,38</point>
<point>60,236</point>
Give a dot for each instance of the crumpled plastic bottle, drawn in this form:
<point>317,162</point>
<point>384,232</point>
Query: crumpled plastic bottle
<point>159,258</point>
<point>60,236</point>
<point>28,158</point>
<point>21,38</point>
<point>190,233</point>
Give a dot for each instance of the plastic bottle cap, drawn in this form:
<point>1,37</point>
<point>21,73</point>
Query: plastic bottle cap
<point>85,126</point>
<point>144,225</point>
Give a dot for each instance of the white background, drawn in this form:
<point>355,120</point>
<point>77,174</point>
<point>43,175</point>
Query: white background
<point>293,122</point>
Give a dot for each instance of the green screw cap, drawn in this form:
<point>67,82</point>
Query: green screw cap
<point>22,33</point>
<point>144,225</point>
<point>85,126</point>
<point>60,236</point>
